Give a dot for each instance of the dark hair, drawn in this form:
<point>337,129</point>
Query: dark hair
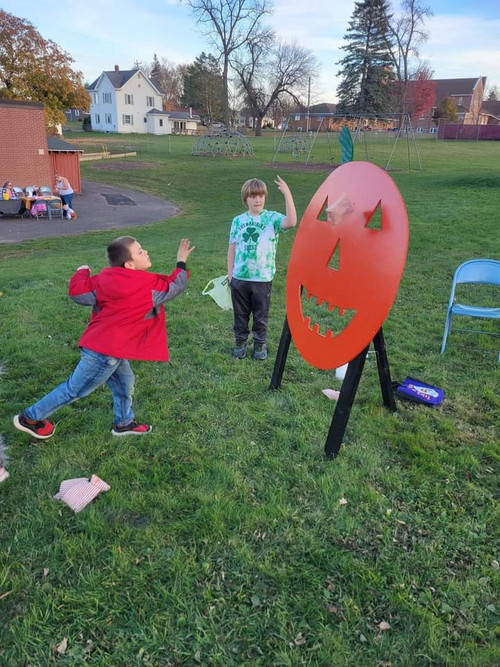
<point>119,250</point>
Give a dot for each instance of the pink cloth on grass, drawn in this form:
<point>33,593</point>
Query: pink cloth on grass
<point>78,493</point>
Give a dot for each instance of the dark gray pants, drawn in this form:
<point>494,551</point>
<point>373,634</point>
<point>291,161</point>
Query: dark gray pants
<point>250,297</point>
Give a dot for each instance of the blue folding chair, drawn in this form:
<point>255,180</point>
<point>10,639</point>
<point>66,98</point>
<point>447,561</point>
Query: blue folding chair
<point>480,271</point>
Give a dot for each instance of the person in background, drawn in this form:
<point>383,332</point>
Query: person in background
<point>65,191</point>
<point>7,191</point>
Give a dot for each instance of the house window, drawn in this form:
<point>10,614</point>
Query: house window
<point>460,101</point>
<point>161,122</point>
<point>297,117</point>
<point>179,125</point>
<point>106,98</point>
<point>97,118</point>
<point>145,119</point>
<point>150,101</point>
<point>129,99</point>
<point>108,118</point>
<point>127,120</point>
<point>96,98</point>
<point>77,112</point>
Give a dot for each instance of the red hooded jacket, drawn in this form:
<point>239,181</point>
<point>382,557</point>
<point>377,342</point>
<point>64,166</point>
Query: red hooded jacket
<point>128,319</point>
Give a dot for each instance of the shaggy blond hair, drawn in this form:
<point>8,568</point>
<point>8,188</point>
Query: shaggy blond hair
<point>252,187</point>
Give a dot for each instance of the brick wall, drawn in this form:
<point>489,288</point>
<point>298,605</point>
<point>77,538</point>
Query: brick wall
<point>24,156</point>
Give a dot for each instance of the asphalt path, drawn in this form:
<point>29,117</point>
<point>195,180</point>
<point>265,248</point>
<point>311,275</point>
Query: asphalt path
<point>100,207</point>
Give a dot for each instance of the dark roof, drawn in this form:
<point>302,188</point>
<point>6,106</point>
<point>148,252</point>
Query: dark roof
<point>324,107</point>
<point>56,144</point>
<point>182,115</point>
<point>21,103</point>
<point>316,109</point>
<point>178,115</point>
<point>119,78</point>
<point>447,87</point>
<point>492,107</point>
<point>157,112</point>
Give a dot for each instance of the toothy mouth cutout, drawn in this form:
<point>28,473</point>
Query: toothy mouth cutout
<point>323,317</point>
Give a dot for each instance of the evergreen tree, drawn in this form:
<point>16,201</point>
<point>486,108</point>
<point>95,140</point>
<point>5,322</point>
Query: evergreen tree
<point>366,69</point>
<point>203,88</point>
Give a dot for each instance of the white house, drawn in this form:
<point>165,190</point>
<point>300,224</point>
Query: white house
<point>171,122</point>
<point>120,101</point>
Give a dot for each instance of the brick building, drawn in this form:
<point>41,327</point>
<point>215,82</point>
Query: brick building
<point>24,154</point>
<point>27,155</point>
<point>466,94</point>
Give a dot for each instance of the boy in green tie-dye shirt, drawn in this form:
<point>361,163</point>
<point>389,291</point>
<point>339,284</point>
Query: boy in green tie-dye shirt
<point>251,262</point>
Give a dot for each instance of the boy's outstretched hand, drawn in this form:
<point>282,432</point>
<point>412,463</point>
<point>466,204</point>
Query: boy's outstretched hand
<point>282,186</point>
<point>185,249</point>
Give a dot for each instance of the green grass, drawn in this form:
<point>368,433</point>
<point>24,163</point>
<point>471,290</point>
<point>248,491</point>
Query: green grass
<point>222,540</point>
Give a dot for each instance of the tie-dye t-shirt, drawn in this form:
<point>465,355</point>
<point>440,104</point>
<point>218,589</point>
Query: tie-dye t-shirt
<point>256,240</point>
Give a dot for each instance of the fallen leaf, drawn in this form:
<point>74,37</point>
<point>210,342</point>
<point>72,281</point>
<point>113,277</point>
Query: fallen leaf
<point>333,609</point>
<point>45,571</point>
<point>342,501</point>
<point>384,626</point>
<point>61,648</point>
<point>4,595</point>
<point>332,394</point>
<point>495,564</point>
<point>299,640</point>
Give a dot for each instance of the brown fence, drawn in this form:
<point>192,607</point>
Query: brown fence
<point>469,132</point>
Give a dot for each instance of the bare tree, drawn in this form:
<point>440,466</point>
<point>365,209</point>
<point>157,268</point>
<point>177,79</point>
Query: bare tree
<point>229,24</point>
<point>406,33</point>
<point>271,71</point>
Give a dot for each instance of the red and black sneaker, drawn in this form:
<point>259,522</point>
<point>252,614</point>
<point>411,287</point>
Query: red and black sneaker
<point>42,429</point>
<point>131,429</point>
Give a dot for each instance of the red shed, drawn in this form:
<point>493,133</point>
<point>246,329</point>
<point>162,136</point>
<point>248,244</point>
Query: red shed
<point>65,159</point>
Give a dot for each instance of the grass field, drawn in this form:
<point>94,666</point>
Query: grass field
<point>222,540</point>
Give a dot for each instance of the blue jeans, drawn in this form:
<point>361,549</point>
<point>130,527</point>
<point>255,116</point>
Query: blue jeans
<point>67,199</point>
<point>93,370</point>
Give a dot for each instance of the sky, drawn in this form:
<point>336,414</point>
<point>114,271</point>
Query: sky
<point>464,36</point>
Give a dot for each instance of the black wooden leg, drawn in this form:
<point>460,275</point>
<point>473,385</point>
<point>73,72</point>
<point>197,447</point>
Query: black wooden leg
<point>344,404</point>
<point>384,374</point>
<point>279,364</point>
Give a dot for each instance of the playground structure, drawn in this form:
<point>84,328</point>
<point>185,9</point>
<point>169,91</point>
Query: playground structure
<point>217,142</point>
<point>368,131</point>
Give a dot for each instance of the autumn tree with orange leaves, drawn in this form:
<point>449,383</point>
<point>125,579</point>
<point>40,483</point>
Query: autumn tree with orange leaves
<point>36,69</point>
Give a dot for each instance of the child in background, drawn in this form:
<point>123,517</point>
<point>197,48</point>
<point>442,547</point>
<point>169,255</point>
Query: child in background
<point>127,322</point>
<point>251,263</point>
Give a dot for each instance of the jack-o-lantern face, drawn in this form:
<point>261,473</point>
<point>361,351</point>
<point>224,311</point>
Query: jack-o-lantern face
<point>343,278</point>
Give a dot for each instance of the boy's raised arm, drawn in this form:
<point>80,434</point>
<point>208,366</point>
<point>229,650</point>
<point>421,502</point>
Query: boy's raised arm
<point>81,289</point>
<point>290,219</point>
<point>168,287</point>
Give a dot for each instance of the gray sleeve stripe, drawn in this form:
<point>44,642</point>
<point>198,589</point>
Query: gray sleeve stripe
<point>175,288</point>
<point>85,299</point>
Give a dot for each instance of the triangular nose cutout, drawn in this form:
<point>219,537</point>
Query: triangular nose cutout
<point>323,215</point>
<point>374,221</point>
<point>334,262</point>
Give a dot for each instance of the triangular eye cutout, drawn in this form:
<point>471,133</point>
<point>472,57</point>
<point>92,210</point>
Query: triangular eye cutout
<point>334,262</point>
<point>374,220</point>
<point>323,215</point>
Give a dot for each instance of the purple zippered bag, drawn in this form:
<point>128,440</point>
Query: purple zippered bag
<point>417,391</point>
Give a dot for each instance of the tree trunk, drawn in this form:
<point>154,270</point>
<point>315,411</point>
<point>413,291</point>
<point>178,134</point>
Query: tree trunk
<point>258,126</point>
<point>225,92</point>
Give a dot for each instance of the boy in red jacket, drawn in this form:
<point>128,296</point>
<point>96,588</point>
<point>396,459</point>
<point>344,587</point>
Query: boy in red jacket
<point>128,322</point>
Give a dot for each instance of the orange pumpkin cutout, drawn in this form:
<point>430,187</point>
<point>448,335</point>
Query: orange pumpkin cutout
<point>352,268</point>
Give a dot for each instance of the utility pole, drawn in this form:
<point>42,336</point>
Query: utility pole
<point>308,103</point>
